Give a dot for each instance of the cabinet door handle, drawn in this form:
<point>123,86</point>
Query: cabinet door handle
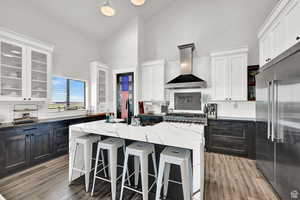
<point>29,98</point>
<point>298,38</point>
<point>24,98</point>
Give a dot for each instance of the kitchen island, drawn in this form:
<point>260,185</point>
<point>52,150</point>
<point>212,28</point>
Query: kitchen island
<point>190,136</point>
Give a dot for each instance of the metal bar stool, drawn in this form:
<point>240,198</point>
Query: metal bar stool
<point>176,156</point>
<point>87,142</point>
<point>111,145</point>
<point>140,151</point>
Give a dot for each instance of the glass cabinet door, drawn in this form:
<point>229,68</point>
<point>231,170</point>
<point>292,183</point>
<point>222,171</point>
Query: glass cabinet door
<point>12,72</point>
<point>39,74</point>
<point>101,86</point>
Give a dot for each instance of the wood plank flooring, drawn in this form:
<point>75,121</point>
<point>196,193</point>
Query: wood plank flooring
<point>226,178</point>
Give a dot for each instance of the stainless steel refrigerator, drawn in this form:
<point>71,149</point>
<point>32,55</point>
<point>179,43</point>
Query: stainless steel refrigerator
<point>278,123</point>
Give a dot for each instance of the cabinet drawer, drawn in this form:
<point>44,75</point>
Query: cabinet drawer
<point>232,144</point>
<point>228,129</point>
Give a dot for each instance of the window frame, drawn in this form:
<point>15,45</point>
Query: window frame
<point>68,92</point>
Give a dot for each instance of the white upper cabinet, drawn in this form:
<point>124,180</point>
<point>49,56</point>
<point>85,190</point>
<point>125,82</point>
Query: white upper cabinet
<point>153,81</point>
<point>265,49</point>
<point>39,74</point>
<point>280,31</point>
<point>238,77</point>
<point>13,71</point>
<point>277,39</point>
<point>220,78</point>
<point>99,86</point>
<point>292,18</point>
<point>25,69</point>
<point>229,75</point>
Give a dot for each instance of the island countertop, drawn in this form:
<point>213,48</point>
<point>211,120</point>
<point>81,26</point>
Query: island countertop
<point>189,136</point>
<point>173,134</point>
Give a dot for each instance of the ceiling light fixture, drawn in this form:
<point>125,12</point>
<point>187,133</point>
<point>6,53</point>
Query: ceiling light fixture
<point>138,2</point>
<point>107,9</point>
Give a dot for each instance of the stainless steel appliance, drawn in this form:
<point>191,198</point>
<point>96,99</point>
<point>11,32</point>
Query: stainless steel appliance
<point>278,123</point>
<point>186,79</point>
<point>187,101</point>
<point>186,118</point>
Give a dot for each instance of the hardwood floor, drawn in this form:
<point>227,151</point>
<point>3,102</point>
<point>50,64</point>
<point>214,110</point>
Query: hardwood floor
<point>227,178</point>
<point>234,178</point>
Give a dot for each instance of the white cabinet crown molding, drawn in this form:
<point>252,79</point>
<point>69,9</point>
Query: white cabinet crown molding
<point>154,62</point>
<point>276,12</point>
<point>26,40</point>
<point>244,49</point>
<point>99,64</point>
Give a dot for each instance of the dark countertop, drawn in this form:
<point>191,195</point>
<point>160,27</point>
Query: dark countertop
<point>50,120</point>
<point>218,118</point>
<point>233,119</point>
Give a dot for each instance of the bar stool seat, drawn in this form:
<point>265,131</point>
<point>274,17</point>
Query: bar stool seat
<point>140,151</point>
<point>87,141</point>
<point>111,145</point>
<point>176,156</point>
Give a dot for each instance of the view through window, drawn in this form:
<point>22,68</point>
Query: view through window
<point>67,94</point>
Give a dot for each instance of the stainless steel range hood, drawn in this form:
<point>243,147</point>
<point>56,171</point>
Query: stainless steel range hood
<point>186,79</point>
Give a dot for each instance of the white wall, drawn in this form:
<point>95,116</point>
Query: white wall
<point>72,53</point>
<point>120,50</point>
<point>211,24</point>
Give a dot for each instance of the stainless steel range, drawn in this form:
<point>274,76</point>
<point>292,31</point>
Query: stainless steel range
<point>198,118</point>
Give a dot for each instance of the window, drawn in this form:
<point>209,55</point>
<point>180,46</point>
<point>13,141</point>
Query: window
<point>67,94</point>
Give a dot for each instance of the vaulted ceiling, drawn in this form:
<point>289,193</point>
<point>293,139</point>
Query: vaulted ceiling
<point>86,17</point>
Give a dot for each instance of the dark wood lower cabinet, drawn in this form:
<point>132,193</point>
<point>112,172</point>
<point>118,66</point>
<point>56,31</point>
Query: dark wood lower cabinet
<point>60,138</point>
<point>15,152</point>
<point>231,137</point>
<point>28,145</point>
<point>41,144</point>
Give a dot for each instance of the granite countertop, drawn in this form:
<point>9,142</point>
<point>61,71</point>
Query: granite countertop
<point>49,120</point>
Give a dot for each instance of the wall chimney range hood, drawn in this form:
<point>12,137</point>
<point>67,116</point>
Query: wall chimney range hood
<point>186,79</point>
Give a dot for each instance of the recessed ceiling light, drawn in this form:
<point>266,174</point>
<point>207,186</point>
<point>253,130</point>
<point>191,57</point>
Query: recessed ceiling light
<point>107,9</point>
<point>138,2</point>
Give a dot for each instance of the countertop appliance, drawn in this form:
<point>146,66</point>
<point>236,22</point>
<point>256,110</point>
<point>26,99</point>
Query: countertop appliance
<point>186,79</point>
<point>278,123</point>
<point>200,118</point>
<point>211,110</point>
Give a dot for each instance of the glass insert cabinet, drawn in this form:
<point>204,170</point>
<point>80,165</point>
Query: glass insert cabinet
<point>100,74</point>
<point>25,68</point>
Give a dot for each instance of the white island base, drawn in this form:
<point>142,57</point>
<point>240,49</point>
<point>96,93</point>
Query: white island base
<point>189,136</point>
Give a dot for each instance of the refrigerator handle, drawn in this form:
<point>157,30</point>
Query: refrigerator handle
<point>273,110</point>
<point>269,109</point>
